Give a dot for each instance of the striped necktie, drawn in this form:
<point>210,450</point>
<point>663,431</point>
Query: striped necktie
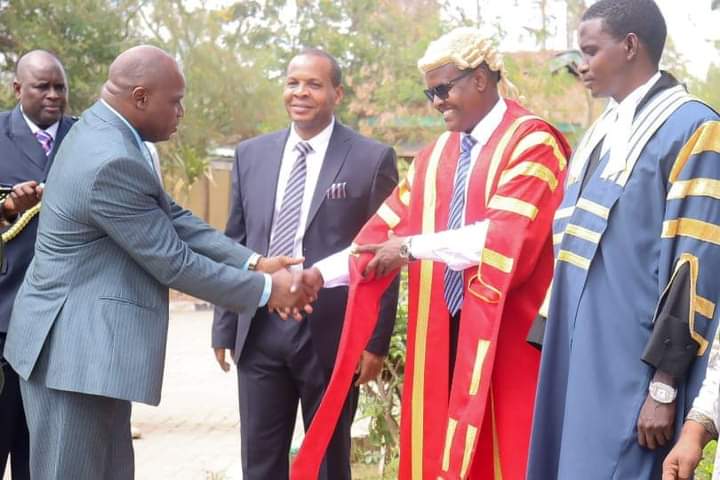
<point>46,141</point>
<point>288,218</point>
<point>453,290</point>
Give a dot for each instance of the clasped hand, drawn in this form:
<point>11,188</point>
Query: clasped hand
<point>293,292</point>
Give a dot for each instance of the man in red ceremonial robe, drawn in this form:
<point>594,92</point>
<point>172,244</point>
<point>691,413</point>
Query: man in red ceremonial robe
<point>472,220</point>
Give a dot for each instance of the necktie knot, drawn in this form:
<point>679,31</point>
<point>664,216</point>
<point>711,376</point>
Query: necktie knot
<point>304,148</point>
<point>46,141</point>
<point>467,144</point>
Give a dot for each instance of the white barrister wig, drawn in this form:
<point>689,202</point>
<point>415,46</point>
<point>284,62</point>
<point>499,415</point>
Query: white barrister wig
<point>466,48</point>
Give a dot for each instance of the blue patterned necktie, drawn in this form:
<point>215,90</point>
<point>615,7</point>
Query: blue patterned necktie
<point>288,218</point>
<point>454,280</point>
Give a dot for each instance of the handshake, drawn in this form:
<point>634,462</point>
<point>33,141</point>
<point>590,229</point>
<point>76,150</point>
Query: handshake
<point>293,292</point>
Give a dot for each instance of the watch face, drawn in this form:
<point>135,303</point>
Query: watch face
<point>662,393</point>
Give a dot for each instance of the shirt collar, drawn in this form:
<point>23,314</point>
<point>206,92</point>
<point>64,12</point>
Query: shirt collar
<point>318,143</point>
<point>629,104</point>
<point>135,133</point>
<point>489,123</point>
<point>51,130</point>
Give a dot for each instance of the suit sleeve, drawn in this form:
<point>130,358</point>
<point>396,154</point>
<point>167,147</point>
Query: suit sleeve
<point>129,213</point>
<point>224,326</point>
<point>205,240</point>
<point>386,180</point>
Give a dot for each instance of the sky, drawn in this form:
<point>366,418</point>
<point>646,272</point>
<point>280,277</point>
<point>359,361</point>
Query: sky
<point>691,24</point>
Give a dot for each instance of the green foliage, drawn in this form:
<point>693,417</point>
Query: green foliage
<point>708,90</point>
<point>380,400</point>
<point>704,470</point>
<point>378,43</point>
<point>85,34</point>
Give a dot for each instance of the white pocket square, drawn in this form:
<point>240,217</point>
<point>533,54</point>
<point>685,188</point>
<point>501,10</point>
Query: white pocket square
<point>336,191</point>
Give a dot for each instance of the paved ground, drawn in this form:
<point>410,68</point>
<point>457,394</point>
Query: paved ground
<point>194,433</point>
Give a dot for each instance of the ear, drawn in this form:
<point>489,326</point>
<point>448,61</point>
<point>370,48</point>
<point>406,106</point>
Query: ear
<point>339,94</point>
<point>480,79</point>
<point>140,97</point>
<point>631,44</point>
<point>17,87</point>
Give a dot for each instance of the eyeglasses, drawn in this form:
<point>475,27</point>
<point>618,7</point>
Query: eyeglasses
<point>442,91</point>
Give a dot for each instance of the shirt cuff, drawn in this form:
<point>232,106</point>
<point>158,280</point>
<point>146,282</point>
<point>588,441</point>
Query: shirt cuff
<point>458,249</point>
<point>267,290</point>
<point>335,269</point>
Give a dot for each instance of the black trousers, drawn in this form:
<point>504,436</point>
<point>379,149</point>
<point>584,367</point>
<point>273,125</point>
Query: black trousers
<point>454,331</point>
<point>14,437</point>
<point>277,369</point>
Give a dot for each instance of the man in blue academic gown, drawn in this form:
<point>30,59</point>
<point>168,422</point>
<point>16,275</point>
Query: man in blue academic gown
<point>636,244</point>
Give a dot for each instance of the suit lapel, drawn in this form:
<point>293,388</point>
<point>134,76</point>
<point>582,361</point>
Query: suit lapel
<point>271,171</point>
<point>337,152</point>
<point>24,139</point>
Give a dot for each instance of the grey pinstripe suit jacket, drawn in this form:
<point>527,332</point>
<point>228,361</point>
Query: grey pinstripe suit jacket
<point>110,243</point>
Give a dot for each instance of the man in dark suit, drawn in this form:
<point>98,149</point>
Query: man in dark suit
<point>303,191</point>
<point>29,137</point>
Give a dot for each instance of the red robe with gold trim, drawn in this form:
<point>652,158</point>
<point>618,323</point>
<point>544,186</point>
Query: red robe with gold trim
<point>482,430</point>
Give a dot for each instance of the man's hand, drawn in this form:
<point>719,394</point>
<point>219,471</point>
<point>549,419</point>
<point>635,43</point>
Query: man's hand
<point>25,195</point>
<point>273,264</point>
<point>370,367</point>
<point>682,460</point>
<point>311,280</point>
<point>220,357</point>
<point>387,255</point>
<point>655,424</point>
<point>286,298</point>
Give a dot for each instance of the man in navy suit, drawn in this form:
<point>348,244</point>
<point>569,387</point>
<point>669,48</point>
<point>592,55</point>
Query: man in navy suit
<point>304,191</point>
<point>29,137</point>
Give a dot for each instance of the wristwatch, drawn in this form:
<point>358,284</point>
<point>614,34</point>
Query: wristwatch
<point>405,250</point>
<point>662,393</point>
<point>253,262</point>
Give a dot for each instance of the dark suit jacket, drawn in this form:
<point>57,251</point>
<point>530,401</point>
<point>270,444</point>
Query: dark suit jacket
<point>370,173</point>
<point>21,159</point>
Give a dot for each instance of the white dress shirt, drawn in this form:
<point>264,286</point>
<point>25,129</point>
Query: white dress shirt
<point>51,130</point>
<point>314,162</point>
<point>459,249</point>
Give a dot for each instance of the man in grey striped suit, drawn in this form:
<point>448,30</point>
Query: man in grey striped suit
<point>89,325</point>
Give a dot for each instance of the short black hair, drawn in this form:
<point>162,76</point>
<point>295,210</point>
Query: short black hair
<point>641,17</point>
<point>335,71</point>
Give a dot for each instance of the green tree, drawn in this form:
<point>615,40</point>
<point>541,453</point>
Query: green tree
<point>85,34</point>
<point>227,96</point>
<point>378,43</point>
<point>709,89</point>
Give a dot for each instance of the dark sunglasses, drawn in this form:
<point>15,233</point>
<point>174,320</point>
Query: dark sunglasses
<point>442,91</point>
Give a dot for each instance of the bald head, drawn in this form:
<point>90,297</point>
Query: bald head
<point>36,60</point>
<point>146,86</point>
<point>41,87</point>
